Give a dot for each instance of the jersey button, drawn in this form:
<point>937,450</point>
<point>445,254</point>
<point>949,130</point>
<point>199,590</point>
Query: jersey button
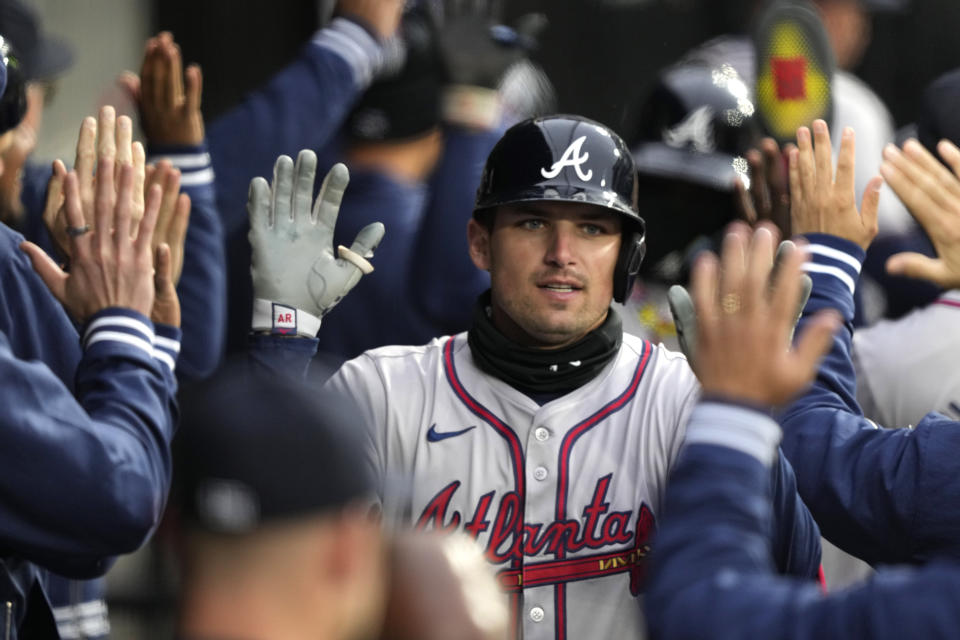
<point>536,614</point>
<point>541,434</point>
<point>540,473</point>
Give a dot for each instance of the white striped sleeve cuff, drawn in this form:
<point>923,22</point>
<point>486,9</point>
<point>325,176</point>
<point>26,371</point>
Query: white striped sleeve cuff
<point>735,427</point>
<point>128,327</point>
<point>354,44</point>
<point>195,168</point>
<point>833,262</point>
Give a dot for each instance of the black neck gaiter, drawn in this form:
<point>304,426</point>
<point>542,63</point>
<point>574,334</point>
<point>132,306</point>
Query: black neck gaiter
<point>533,370</point>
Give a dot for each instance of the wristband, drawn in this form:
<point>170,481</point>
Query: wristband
<point>283,320</point>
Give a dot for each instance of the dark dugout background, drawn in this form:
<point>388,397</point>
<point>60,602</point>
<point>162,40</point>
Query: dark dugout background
<point>601,55</point>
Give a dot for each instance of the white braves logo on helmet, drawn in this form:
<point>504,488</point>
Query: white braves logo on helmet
<point>571,158</point>
<point>695,129</point>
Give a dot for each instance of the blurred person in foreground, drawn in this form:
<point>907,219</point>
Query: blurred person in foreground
<point>277,537</point>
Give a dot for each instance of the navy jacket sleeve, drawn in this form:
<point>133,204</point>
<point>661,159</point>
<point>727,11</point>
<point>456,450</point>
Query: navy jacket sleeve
<point>85,480</point>
<point>796,537</point>
<point>203,283</point>
<point>302,107</point>
<point>441,258</point>
<point>711,576</point>
<point>884,495</point>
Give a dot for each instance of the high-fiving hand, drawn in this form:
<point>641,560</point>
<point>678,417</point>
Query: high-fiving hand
<point>294,263</point>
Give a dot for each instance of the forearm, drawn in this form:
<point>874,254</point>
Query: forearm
<point>203,283</point>
<point>88,480</point>
<point>303,106</point>
<point>712,557</point>
<point>856,479</point>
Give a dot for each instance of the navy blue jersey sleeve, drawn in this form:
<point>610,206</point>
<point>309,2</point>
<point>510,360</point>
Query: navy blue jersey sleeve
<point>884,495</point>
<point>301,107</point>
<point>796,537</point>
<point>86,478</point>
<point>203,283</point>
<point>442,258</point>
<point>34,322</point>
<point>711,573</point>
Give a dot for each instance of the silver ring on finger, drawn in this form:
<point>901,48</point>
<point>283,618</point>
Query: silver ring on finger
<point>76,232</point>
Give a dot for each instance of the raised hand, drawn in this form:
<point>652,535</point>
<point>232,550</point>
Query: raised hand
<point>821,203</point>
<point>932,194</point>
<point>167,96</point>
<point>104,146</point>
<point>293,257</point>
<point>112,260</point>
<point>744,324</point>
<point>768,197</point>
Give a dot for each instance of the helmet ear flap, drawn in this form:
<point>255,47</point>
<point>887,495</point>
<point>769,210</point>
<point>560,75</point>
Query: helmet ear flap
<point>633,248</point>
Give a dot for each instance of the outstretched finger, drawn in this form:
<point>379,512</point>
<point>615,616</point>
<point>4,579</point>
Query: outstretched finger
<point>175,97</point>
<point>258,205</point>
<point>921,181</point>
<point>149,222</point>
<point>305,172</point>
<point>944,179</point>
<point>123,212</point>
<point>51,274</point>
<point>822,152</point>
<point>806,165</point>
<point>124,141</point>
<point>86,158</point>
<point>733,263</point>
<point>870,206</point>
<point>327,207</point>
<point>194,90</point>
<point>282,191</point>
<point>139,179</point>
<point>759,264</point>
<point>79,245</point>
<point>845,161</point>
<point>950,154</point>
<point>787,282</point>
<point>917,265</point>
<point>704,284</point>
<point>106,141</point>
<point>54,197</point>
<point>368,240</point>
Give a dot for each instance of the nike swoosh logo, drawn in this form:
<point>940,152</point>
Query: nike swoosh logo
<point>436,436</point>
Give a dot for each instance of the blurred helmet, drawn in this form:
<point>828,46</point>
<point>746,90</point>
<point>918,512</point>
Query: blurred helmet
<point>13,101</point>
<point>696,126</point>
<point>695,129</point>
<point>567,158</point>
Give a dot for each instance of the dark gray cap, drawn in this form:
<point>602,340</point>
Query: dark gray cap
<point>255,448</point>
<point>43,56</point>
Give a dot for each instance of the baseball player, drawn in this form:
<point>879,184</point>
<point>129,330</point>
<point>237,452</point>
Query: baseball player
<point>544,432</point>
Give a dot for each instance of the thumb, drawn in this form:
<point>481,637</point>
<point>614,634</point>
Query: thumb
<point>51,274</point>
<point>917,265</point>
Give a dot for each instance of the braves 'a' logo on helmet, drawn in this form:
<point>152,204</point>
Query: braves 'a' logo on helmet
<point>572,157</point>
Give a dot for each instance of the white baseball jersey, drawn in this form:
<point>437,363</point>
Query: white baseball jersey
<point>907,368</point>
<point>563,497</point>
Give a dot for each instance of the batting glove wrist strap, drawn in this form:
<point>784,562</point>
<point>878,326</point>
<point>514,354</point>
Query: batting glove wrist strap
<point>283,320</point>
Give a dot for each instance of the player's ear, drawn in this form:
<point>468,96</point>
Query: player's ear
<point>478,238</point>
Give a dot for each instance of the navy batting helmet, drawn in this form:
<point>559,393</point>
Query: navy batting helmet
<point>566,158</point>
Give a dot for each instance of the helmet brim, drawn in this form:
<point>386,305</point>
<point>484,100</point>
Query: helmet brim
<point>715,170</point>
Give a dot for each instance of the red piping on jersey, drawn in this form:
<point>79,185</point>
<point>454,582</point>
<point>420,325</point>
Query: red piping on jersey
<point>947,303</point>
<point>565,449</point>
<point>516,453</point>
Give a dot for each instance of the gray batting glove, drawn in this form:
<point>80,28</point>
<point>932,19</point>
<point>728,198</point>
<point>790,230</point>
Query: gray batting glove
<point>297,277</point>
<point>685,316</point>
